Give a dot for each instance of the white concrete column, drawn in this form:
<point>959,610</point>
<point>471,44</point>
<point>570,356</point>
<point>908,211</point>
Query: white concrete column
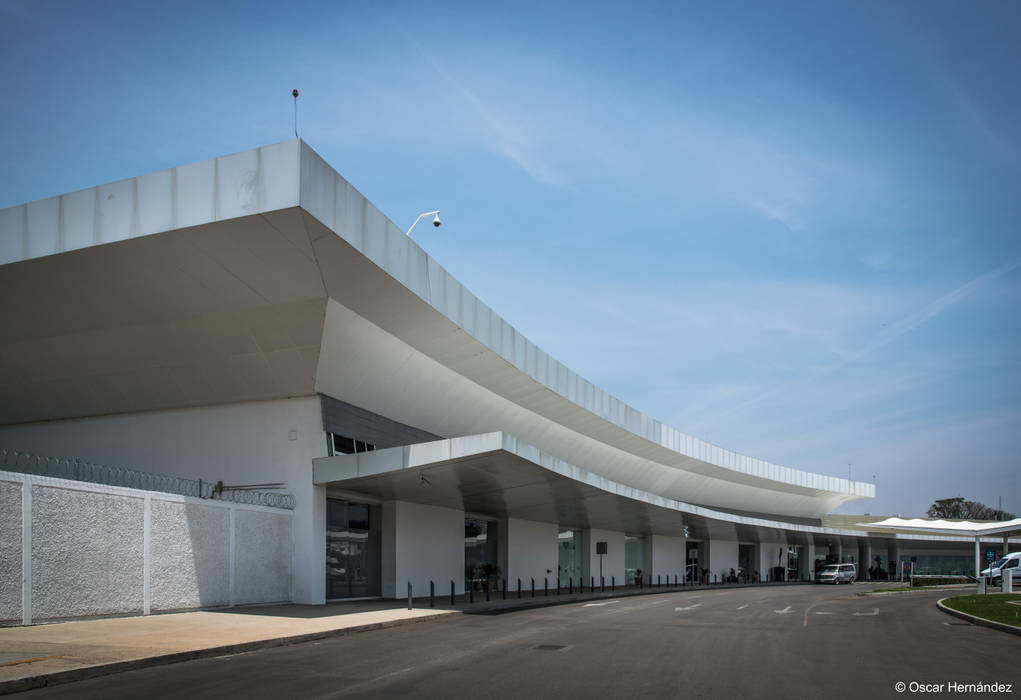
<point>978,564</point>
<point>722,558</point>
<point>613,560</point>
<point>666,557</point>
<point>421,543</point>
<point>769,559</point>
<point>530,551</point>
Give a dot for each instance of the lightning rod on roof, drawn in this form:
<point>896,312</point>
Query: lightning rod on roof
<point>294,94</point>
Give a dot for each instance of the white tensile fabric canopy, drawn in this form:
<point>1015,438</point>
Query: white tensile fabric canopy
<point>952,527</point>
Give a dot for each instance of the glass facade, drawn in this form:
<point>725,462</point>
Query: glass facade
<point>634,557</point>
<point>794,563</point>
<point>352,550</point>
<point>569,555</point>
<point>693,566</point>
<point>943,565</point>
<point>481,555</point>
<point>747,566</point>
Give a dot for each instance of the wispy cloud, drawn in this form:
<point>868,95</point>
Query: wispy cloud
<point>506,137</point>
<point>894,331</point>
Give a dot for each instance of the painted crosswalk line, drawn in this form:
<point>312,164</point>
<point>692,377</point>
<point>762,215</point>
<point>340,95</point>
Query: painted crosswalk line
<point>875,611</point>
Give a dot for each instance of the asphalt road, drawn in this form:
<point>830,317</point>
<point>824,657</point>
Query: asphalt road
<point>782,642</point>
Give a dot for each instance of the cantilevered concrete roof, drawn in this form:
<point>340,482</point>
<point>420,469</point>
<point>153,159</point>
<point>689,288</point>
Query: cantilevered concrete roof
<point>499,475</point>
<point>264,274</point>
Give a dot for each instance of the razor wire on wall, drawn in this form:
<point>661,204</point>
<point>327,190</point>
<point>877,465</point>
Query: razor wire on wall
<point>80,470</point>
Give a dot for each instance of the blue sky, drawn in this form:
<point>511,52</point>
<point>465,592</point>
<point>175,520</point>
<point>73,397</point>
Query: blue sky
<point>788,228</point>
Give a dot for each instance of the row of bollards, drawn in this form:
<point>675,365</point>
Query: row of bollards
<point>641,581</point>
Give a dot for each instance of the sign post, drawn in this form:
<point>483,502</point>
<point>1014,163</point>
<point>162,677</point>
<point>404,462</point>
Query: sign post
<point>600,550</point>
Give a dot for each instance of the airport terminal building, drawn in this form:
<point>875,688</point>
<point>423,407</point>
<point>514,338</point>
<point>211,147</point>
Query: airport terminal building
<point>252,324</point>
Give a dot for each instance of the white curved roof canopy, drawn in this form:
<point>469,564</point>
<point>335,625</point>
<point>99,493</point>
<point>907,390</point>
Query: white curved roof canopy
<point>951,527</point>
<point>270,256</point>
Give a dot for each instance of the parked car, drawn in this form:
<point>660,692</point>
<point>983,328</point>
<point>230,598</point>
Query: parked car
<point>994,573</point>
<point>836,573</point>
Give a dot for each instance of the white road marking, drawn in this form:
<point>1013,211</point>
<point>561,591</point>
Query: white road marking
<point>823,613</point>
<point>599,605</point>
<point>742,607</point>
<point>875,611</point>
<point>785,611</point>
<point>690,607</point>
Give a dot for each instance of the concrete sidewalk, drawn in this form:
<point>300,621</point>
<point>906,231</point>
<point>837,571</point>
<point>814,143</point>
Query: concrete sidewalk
<point>62,652</point>
<point>48,654</point>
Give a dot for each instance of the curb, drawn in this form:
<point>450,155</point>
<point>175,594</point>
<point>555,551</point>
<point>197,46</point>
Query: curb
<point>541,601</point>
<point>992,624</point>
<point>80,674</point>
<point>922,589</point>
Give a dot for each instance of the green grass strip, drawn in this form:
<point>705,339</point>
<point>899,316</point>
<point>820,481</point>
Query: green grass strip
<point>991,606</point>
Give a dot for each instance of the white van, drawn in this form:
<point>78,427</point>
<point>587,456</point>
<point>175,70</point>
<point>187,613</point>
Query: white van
<point>836,573</point>
<point>1008,563</point>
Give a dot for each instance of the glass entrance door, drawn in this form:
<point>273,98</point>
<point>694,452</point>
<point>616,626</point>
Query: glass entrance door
<point>569,555</point>
<point>352,550</point>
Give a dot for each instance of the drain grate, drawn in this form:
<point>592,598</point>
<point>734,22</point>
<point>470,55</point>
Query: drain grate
<point>550,647</point>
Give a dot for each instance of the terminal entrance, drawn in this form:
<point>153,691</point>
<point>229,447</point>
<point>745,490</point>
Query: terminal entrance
<point>747,570</point>
<point>695,567</point>
<point>352,550</point>
<point>634,556</point>
<point>481,554</point>
<point>569,556</point>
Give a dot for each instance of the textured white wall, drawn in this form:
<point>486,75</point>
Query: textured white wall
<point>262,562</point>
<point>531,551</point>
<point>190,555</point>
<point>667,556</point>
<point>722,558</point>
<point>87,554</point>
<point>613,560</point>
<point>241,443</point>
<point>10,551</point>
<point>427,543</point>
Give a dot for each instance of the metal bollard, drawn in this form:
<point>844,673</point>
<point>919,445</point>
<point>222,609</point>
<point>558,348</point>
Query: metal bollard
<point>558,584</point>
<point>602,584</point>
<point>613,582</point>
<point>592,585</point>
<point>409,595</point>
<point>545,586</point>
<point>519,589</point>
<point>675,579</point>
<point>659,584</point>
<point>432,594</point>
<point>570,585</point>
<point>533,586</point>
<point>505,589</point>
<point>451,592</point>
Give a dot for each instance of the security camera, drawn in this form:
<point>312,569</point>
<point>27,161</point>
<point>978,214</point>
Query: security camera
<point>436,221</point>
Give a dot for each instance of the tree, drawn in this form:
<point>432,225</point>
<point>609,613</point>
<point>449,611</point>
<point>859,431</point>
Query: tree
<point>960,509</point>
